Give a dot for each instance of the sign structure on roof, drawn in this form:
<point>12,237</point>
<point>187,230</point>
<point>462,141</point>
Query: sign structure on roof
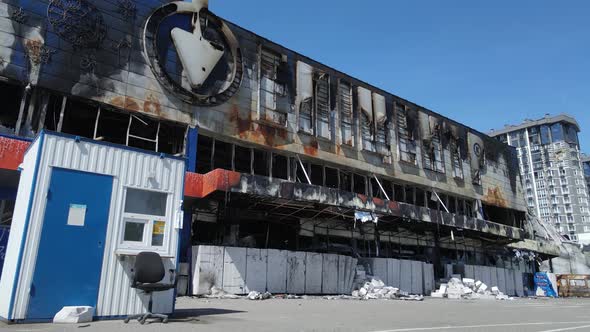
<point>193,53</point>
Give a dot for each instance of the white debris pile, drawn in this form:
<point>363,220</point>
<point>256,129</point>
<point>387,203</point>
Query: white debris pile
<point>374,289</point>
<point>218,293</point>
<point>469,289</point>
<point>254,295</point>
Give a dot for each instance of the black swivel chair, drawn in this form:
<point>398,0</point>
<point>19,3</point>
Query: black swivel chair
<point>147,275</point>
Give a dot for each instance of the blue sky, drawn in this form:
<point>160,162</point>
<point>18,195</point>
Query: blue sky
<point>482,63</point>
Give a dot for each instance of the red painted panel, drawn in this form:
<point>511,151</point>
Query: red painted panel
<point>12,152</point>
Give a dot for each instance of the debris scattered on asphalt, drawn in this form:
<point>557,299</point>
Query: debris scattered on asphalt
<point>254,295</point>
<point>218,293</point>
<point>469,289</point>
<point>375,289</point>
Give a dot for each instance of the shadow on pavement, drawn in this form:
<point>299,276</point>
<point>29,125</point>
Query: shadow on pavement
<point>188,315</point>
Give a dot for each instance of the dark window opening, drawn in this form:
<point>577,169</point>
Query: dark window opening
<point>398,193</point>
<point>409,196</point>
<point>498,215</point>
<point>79,118</point>
<point>460,207</point>
<point>345,181</point>
<point>469,209</point>
<point>452,204</point>
<point>243,158</point>
<point>223,155</point>
<point>299,173</point>
<point>331,177</point>
<point>420,198</point>
<point>375,190</point>
<point>112,126</point>
<point>53,113</point>
<point>143,133</point>
<point>171,139</point>
<point>280,167</point>
<point>261,163</point>
<point>360,184</point>
<point>204,150</point>
<point>11,101</point>
<point>317,175</point>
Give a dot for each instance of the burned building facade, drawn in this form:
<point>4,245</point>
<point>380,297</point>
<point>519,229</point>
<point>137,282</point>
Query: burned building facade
<point>283,152</point>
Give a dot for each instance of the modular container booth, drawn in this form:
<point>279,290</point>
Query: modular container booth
<point>84,209</point>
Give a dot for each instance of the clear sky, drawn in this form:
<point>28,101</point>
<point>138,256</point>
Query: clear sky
<point>482,63</point>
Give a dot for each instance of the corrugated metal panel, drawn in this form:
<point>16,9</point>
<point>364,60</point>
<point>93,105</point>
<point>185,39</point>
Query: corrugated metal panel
<point>129,168</point>
<point>9,272</point>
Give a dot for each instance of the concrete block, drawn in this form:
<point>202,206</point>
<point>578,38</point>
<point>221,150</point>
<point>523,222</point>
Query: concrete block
<point>295,272</point>
<point>417,278</point>
<point>428,278</point>
<point>329,274</point>
<point>207,268</point>
<point>276,275</point>
<point>234,270</point>
<point>256,266</point>
<point>406,276</point>
<point>313,273</point>
<point>393,273</point>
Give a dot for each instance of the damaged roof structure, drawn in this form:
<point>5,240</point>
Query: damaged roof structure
<point>283,151</point>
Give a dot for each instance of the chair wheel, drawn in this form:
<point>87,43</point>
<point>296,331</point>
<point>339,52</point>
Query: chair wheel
<point>126,320</point>
<point>142,321</point>
<point>165,320</point>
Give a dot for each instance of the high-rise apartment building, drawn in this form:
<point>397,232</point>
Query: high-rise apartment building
<point>551,168</point>
<point>586,166</point>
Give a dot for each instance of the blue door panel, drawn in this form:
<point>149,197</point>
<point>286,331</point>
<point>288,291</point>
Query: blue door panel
<point>69,260</point>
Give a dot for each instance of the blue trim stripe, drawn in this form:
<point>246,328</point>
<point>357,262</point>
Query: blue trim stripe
<point>19,138</point>
<point>27,221</point>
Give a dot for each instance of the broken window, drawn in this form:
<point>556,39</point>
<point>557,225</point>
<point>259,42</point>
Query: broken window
<point>12,98</point>
<point>261,163</point>
<point>243,159</point>
<point>322,104</point>
<point>54,107</point>
<point>280,167</point>
<point>300,174</point>
<point>79,118</point>
<point>143,133</point>
<point>380,188</point>
<point>432,152</point>
<point>331,177</point>
<point>317,175</point>
<point>222,155</point>
<point>172,138</point>
<point>360,184</point>
<point>409,194</point>
<point>373,121</point>
<point>273,94</point>
<point>420,200</point>
<point>305,97</point>
<point>346,119</point>
<point>406,134</point>
<point>204,154</point>
<point>399,192</point>
<point>111,126</point>
<point>345,181</point>
<point>452,204</point>
<point>456,159</point>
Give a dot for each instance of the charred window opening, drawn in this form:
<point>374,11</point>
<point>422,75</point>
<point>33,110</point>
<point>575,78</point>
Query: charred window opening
<point>305,94</point>
<point>376,190</point>
<point>111,126</point>
<point>222,155</point>
<point>346,117</point>
<point>420,198</point>
<point>452,204</point>
<point>143,133</point>
<point>299,173</point>
<point>331,177</point>
<point>455,148</point>
<point>204,154</point>
<point>273,93</point>
<point>373,121</point>
<point>498,215</point>
<point>461,207</point>
<point>243,160</point>
<point>469,208</point>
<point>345,181</point>
<point>322,104</point>
<point>317,175</point>
<point>409,195</point>
<point>171,138</point>
<point>12,96</point>
<point>399,193</point>
<point>52,116</point>
<point>261,163</point>
<point>79,118</point>
<point>359,184</point>
<point>280,167</point>
<point>406,135</point>
<point>432,152</point>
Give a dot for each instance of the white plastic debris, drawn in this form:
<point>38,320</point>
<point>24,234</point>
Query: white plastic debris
<point>254,295</point>
<point>467,288</point>
<point>74,315</point>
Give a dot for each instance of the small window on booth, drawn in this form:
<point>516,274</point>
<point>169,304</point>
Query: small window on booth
<point>144,218</point>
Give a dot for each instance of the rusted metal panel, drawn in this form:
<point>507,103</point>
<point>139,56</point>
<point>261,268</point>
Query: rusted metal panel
<point>573,285</point>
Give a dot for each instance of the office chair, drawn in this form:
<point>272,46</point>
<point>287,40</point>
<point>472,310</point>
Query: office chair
<point>147,274</point>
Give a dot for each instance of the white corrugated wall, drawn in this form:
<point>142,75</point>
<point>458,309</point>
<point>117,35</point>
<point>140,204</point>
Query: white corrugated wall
<point>129,169</point>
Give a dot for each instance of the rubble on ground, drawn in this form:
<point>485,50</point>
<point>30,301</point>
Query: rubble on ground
<point>469,289</point>
<point>254,295</point>
<point>374,288</point>
<point>218,293</point>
